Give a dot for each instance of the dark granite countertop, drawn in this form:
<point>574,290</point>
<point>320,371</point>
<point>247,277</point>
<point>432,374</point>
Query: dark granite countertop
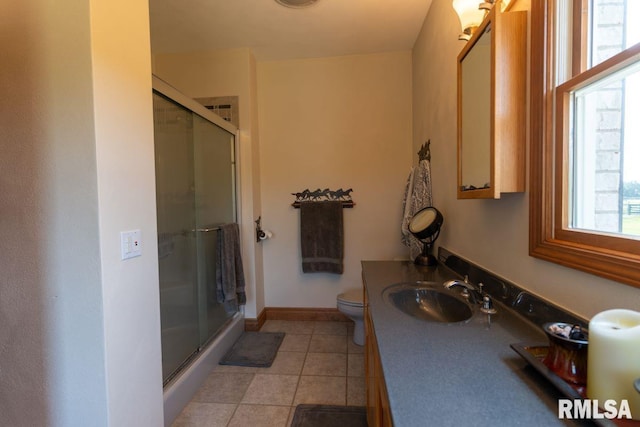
<point>456,374</point>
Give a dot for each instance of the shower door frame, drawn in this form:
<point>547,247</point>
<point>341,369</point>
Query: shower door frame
<point>172,93</point>
<point>163,88</point>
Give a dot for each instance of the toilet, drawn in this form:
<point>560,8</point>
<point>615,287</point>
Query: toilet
<point>351,305</point>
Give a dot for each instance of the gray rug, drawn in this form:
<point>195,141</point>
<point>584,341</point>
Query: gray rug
<point>256,349</point>
<point>329,416</point>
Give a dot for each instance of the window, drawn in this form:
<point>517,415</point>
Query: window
<point>603,147</point>
<point>585,136</point>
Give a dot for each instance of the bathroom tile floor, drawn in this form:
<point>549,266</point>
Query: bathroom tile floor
<point>316,363</point>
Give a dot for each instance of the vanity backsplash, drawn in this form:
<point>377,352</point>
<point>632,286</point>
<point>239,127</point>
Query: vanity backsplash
<point>533,308</point>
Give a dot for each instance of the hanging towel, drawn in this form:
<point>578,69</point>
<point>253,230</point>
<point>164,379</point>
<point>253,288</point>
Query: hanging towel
<point>229,273</point>
<point>406,210</point>
<point>417,196</point>
<point>321,237</point>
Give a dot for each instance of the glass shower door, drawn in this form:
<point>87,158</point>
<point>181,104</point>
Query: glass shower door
<point>215,205</point>
<point>175,185</point>
<point>195,194</point>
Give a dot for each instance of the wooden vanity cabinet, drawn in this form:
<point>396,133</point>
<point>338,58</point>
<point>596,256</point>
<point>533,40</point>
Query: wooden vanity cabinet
<point>378,411</point>
<point>492,107</point>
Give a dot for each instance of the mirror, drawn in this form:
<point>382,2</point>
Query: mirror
<point>425,226</point>
<point>475,98</point>
<point>492,107</point>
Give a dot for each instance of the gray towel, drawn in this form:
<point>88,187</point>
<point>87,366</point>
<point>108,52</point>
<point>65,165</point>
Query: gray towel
<point>229,272</point>
<point>321,237</point>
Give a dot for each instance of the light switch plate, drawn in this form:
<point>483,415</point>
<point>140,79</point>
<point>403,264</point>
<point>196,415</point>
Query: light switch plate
<point>130,244</point>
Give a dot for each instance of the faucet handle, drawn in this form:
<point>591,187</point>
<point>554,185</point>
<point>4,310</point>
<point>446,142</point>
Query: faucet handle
<point>480,288</point>
<point>487,305</point>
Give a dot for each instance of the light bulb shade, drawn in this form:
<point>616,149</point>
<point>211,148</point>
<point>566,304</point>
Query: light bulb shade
<point>469,13</point>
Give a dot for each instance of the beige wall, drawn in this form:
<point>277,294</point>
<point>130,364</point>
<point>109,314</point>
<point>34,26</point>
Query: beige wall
<point>492,233</point>
<point>79,328</point>
<point>229,73</point>
<point>124,151</point>
<point>346,122</point>
<point>342,122</point>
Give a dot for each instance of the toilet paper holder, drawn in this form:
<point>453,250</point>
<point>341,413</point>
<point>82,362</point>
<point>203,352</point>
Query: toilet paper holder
<point>260,233</point>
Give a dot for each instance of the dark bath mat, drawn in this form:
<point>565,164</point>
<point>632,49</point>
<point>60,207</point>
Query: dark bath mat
<point>257,349</point>
<point>329,416</point>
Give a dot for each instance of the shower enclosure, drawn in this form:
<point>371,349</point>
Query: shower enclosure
<point>195,193</point>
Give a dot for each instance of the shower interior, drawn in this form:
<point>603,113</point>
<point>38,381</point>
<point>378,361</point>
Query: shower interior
<point>195,193</point>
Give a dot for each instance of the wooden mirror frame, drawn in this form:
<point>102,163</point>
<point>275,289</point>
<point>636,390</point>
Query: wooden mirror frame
<point>508,104</point>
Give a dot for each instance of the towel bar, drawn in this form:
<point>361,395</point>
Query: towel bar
<point>345,204</point>
<point>325,195</point>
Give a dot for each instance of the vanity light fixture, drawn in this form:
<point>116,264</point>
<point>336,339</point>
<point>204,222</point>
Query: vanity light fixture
<point>470,15</point>
<point>488,4</point>
<point>296,3</point>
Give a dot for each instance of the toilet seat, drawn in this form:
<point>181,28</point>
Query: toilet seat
<point>352,298</point>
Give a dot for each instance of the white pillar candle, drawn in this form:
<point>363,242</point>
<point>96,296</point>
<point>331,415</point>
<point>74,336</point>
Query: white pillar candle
<point>613,362</point>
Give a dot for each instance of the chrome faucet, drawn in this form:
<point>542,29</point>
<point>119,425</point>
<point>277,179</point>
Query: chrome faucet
<point>475,294</point>
<point>468,290</point>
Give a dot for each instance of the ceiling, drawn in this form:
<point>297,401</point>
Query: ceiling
<point>275,32</point>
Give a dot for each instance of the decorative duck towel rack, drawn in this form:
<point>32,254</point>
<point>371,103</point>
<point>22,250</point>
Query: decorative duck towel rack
<point>319,195</point>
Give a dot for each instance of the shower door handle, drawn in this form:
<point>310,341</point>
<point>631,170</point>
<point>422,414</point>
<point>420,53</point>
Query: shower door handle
<point>206,230</point>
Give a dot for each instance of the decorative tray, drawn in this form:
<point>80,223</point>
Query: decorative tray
<point>534,354</point>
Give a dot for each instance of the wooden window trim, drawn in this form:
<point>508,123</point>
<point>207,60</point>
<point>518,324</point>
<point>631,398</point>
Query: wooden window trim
<point>580,20</point>
<point>603,255</point>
